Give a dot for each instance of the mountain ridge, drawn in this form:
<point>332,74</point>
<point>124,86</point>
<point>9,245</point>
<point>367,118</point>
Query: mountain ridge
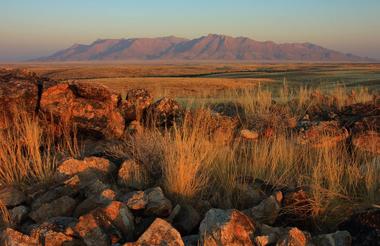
<point>210,47</point>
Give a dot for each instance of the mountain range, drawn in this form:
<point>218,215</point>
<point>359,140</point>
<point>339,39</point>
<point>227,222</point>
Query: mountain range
<point>210,47</point>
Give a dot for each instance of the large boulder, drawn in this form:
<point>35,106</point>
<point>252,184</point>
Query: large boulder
<point>136,101</point>
<point>93,109</point>
<point>226,227</point>
<point>159,233</point>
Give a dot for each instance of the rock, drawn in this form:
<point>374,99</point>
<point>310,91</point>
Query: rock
<point>164,112</point>
<point>90,168</point>
<point>10,237</point>
<point>97,200</point>
<point>249,135</point>
<point>269,235</point>
<point>91,108</point>
<point>120,216</point>
<point>18,214</point>
<point>63,206</point>
<point>136,200</point>
<point>136,101</point>
<point>249,195</point>
<point>55,224</point>
<point>363,226</point>
<point>158,204</point>
<point>132,174</point>
<point>191,240</point>
<point>53,194</point>
<point>53,238</point>
<point>231,227</point>
<point>18,90</point>
<point>187,219</point>
<point>95,229</point>
<point>325,134</point>
<point>267,211</point>
<point>367,142</point>
<point>339,238</point>
<point>294,237</point>
<point>160,232</point>
<point>11,196</point>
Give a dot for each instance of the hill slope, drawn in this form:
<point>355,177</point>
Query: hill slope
<point>211,47</point>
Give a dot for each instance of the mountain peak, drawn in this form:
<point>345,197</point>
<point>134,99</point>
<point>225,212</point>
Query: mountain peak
<point>210,47</point>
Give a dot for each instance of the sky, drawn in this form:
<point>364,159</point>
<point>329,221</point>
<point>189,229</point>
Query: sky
<point>34,28</point>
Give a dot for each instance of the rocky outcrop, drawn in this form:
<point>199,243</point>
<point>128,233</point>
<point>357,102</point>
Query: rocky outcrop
<point>136,101</point>
<point>91,108</point>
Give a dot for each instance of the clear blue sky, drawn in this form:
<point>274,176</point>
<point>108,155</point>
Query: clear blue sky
<point>30,28</point>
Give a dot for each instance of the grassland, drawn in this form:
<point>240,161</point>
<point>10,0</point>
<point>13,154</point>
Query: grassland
<point>198,166</point>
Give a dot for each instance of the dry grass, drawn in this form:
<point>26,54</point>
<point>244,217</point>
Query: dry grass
<point>196,164</point>
<point>29,153</point>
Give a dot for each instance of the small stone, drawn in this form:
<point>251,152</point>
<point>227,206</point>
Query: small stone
<point>248,134</point>
<point>160,232</point>
<point>63,206</point>
<point>226,227</point>
<point>97,200</point>
<point>135,200</point>
<point>11,196</point>
<point>158,204</point>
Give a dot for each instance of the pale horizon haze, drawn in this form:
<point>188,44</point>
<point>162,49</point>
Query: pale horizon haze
<point>31,29</point>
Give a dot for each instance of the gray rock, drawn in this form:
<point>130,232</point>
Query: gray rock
<point>62,206</point>
<point>158,204</point>
<point>11,196</point>
<point>18,214</point>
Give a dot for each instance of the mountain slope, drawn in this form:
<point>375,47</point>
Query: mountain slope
<point>211,47</point>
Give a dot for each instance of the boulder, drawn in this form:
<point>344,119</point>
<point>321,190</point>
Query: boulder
<point>132,174</point>
<point>164,112</point>
<point>187,219</point>
<point>136,101</point>
<point>294,237</point>
<point>91,108</point>
<point>95,229</point>
<point>339,238</point>
<point>367,142</point>
<point>363,226</point>
<point>268,235</point>
<point>267,211</point>
<point>10,237</point>
<point>62,206</point>
<point>18,214</point>
<point>90,168</point>
<point>101,199</point>
<point>323,134</point>
<point>159,233</point>
<point>11,196</point>
<point>120,216</point>
<point>158,204</point>
<point>226,227</point>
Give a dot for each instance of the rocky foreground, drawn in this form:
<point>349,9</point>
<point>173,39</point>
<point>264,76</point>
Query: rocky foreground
<point>97,201</point>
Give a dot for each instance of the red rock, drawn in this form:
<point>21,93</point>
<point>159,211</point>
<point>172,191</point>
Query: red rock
<point>10,237</point>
